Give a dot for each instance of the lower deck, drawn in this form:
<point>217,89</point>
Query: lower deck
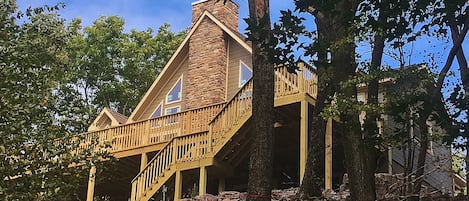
<point>231,169</point>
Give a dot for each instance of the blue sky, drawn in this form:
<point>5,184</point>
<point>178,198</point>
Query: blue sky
<point>141,14</point>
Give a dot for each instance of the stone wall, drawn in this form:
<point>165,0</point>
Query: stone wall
<point>205,78</point>
<point>226,13</point>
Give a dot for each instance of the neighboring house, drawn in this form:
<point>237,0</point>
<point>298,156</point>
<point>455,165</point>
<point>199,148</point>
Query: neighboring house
<point>190,133</point>
<point>394,161</point>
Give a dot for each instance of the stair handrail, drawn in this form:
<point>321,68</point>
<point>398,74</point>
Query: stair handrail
<point>214,118</point>
<point>173,159</point>
<point>238,96</point>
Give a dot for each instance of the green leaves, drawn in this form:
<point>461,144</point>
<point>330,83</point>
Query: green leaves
<point>114,69</point>
<point>34,57</point>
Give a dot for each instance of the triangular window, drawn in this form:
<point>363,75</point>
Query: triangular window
<point>157,112</point>
<point>174,94</point>
<point>245,73</point>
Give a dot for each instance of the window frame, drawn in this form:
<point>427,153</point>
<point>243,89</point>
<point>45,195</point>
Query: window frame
<point>154,111</point>
<point>180,79</point>
<point>240,73</point>
<point>169,108</point>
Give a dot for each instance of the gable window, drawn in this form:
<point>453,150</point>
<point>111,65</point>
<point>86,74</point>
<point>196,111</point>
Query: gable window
<point>245,73</point>
<point>174,94</point>
<point>172,110</point>
<point>157,112</point>
<point>173,118</point>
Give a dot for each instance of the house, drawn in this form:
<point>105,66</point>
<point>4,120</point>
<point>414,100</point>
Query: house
<point>190,133</point>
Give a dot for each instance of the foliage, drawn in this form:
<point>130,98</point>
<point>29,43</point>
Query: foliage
<point>458,164</point>
<point>395,25</point>
<point>112,68</point>
<point>34,164</point>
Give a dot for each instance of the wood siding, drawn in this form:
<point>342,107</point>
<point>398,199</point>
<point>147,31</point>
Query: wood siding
<point>161,95</point>
<point>437,164</point>
<point>236,53</point>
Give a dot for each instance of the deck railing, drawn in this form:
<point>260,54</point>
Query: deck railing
<point>153,131</point>
<point>222,127</point>
<point>228,118</point>
<point>180,149</point>
<point>287,83</point>
<point>196,146</point>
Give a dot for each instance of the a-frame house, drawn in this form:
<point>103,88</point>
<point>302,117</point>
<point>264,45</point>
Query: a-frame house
<point>192,127</point>
<point>190,133</point>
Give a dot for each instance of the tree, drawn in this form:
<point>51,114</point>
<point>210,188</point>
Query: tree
<point>34,164</point>
<point>111,68</point>
<point>340,25</point>
<point>334,47</point>
<point>261,152</point>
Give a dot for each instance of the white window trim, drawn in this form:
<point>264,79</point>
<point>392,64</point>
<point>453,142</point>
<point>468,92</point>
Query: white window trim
<point>240,69</point>
<point>175,83</point>
<point>166,110</point>
<point>162,109</point>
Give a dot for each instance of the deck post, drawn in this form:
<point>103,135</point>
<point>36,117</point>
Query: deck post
<point>143,161</point>
<point>303,138</point>
<point>221,185</point>
<point>203,180</point>
<point>178,185</point>
<point>328,156</point>
<point>146,134</point>
<point>91,182</point>
<point>301,80</point>
<point>210,135</point>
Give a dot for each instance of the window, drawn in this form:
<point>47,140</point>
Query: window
<point>157,112</point>
<point>174,94</point>
<point>174,118</point>
<point>245,73</point>
<point>172,110</point>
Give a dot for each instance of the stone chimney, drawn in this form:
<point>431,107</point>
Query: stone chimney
<point>225,12</point>
<point>205,78</point>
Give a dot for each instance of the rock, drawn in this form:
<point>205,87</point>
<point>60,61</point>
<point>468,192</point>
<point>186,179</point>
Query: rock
<point>207,197</point>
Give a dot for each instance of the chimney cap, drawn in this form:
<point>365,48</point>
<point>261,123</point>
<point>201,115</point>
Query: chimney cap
<point>199,1</point>
<point>202,1</point>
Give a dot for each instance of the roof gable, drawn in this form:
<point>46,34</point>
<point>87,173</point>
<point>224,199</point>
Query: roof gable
<point>181,53</point>
<point>107,118</point>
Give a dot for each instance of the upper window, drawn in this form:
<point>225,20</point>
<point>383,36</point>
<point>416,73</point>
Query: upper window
<point>245,73</point>
<point>157,112</point>
<point>172,110</point>
<point>174,94</point>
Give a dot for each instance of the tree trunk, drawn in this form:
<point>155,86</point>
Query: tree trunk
<point>420,169</point>
<point>261,155</point>
<point>370,125</point>
<point>314,170</point>
<point>464,73</point>
<point>333,28</point>
<point>361,174</point>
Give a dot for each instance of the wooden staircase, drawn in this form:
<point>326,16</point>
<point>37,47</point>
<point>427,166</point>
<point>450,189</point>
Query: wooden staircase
<point>185,152</point>
<point>189,150</point>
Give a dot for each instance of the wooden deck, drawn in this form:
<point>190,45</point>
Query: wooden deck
<point>191,139</point>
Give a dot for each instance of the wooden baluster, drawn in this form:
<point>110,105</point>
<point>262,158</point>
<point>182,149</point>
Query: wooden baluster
<point>174,158</point>
<point>189,122</point>
<point>133,193</point>
<point>210,136</point>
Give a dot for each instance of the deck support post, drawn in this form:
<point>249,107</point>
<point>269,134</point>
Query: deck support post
<point>301,81</point>
<point>143,161</point>
<point>91,182</point>
<point>303,138</point>
<point>203,180</point>
<point>178,185</point>
<point>328,154</point>
<point>221,185</point>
